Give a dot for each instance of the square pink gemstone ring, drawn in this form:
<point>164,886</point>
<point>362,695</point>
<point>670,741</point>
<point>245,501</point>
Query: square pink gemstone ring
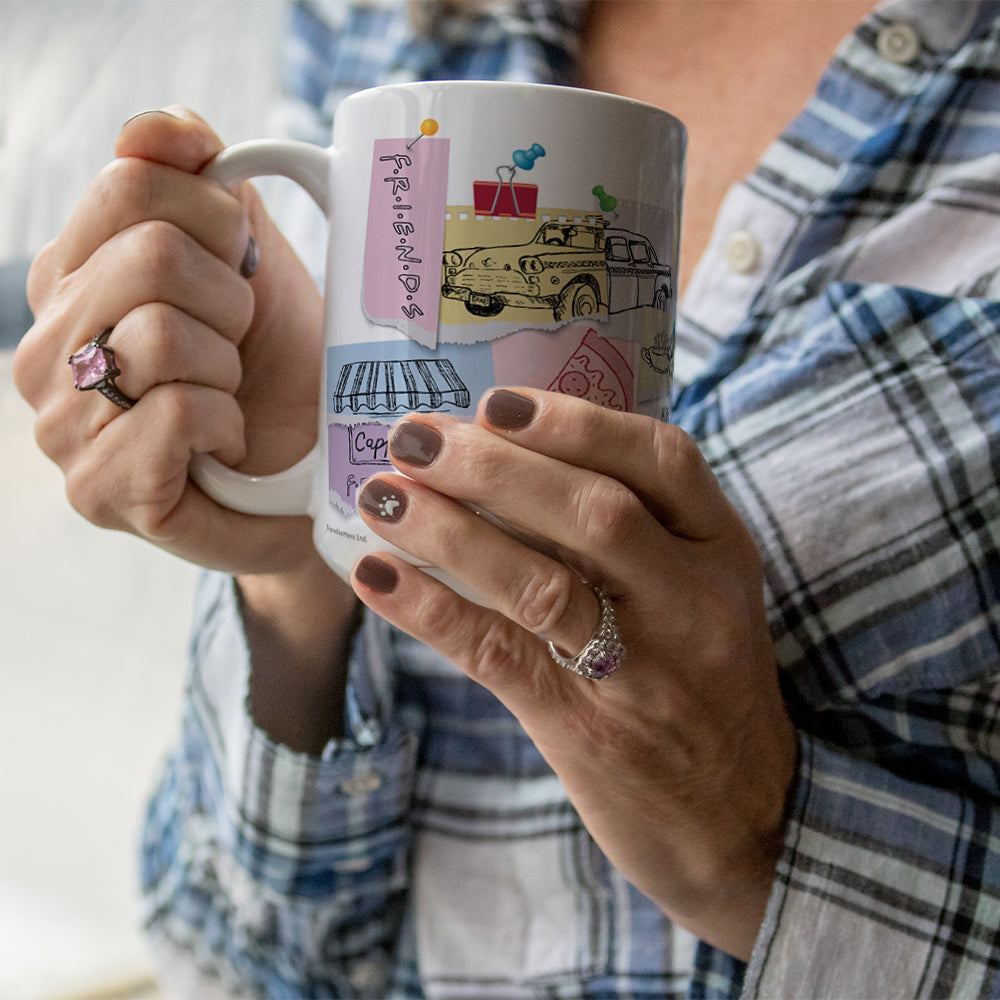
<point>95,367</point>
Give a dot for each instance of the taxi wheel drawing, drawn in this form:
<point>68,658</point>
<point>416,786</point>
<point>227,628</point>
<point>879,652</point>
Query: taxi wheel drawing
<point>580,299</point>
<point>661,298</point>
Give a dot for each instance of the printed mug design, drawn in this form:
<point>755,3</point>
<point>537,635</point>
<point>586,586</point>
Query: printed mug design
<point>598,373</point>
<point>509,200</point>
<point>548,270</point>
<point>502,286</point>
<point>501,255</point>
<point>399,386</point>
<point>573,268</point>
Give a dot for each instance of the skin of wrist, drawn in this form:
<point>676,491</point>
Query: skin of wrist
<point>299,626</point>
<point>735,885</point>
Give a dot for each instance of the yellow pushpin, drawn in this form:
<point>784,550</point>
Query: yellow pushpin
<point>427,127</point>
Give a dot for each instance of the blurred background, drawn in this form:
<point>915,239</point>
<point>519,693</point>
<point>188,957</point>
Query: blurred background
<point>93,625</point>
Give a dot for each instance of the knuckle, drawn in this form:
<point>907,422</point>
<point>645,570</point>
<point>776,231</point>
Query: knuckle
<point>79,493</point>
<point>232,376</point>
<point>126,184</point>
<point>193,418</point>
<point>40,274</point>
<point>607,514</point>
<point>25,366</point>
<point>595,421</point>
<point>124,191</point>
<point>153,329</point>
<point>175,413</point>
<point>483,466</point>
<point>436,615</point>
<point>505,654</point>
<point>489,651</point>
<point>86,485</point>
<point>161,246</point>
<point>153,496</point>
<point>235,211</point>
<point>494,655</point>
<point>677,453</point>
<point>242,308</point>
<point>543,603</point>
<point>49,430</point>
<point>63,429</point>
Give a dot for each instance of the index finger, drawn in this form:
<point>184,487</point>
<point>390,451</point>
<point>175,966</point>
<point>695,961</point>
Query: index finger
<point>131,190</point>
<point>657,461</point>
<point>154,177</point>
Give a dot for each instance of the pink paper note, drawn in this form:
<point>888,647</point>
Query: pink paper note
<point>405,238</point>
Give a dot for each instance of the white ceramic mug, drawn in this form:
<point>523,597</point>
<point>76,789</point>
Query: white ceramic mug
<point>480,234</point>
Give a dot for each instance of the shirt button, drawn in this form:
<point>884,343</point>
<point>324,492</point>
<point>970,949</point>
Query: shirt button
<point>742,252</point>
<point>361,784</point>
<point>899,43</point>
<point>367,976</point>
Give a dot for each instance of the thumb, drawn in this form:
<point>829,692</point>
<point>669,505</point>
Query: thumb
<point>174,136</point>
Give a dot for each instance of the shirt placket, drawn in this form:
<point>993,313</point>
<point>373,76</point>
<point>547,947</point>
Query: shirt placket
<point>761,230</point>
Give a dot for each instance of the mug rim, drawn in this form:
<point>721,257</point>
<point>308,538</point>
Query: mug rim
<point>518,85</point>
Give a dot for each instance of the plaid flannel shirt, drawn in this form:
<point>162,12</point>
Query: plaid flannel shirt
<point>846,390</point>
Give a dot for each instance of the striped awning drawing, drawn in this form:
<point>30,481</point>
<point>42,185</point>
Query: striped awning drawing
<point>398,386</point>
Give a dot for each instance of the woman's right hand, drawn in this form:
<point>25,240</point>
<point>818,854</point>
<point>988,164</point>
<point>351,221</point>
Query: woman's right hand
<point>221,357</point>
<point>217,361</point>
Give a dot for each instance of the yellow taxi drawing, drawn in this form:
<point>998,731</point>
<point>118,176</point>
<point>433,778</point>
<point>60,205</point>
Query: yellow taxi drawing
<point>573,269</point>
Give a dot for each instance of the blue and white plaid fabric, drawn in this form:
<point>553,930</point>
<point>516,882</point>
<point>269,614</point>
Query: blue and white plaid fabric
<point>847,394</point>
<point>337,48</point>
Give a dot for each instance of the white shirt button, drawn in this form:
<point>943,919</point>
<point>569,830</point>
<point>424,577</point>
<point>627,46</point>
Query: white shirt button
<point>742,252</point>
<point>899,43</point>
<point>367,976</point>
<point>361,784</point>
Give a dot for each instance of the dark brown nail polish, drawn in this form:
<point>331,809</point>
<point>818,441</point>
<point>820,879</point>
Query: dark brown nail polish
<point>510,411</point>
<point>376,574</point>
<point>251,259</point>
<point>382,500</point>
<point>415,443</point>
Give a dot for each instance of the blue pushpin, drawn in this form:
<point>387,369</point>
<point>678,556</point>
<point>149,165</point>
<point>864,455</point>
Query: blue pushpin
<point>525,158</point>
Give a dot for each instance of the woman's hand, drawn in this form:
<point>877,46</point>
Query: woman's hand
<point>681,762</point>
<point>219,345</point>
<point>218,362</point>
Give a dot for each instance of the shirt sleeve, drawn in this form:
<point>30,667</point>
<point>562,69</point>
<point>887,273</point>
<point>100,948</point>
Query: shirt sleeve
<point>887,888</point>
<point>859,435</point>
<point>268,872</point>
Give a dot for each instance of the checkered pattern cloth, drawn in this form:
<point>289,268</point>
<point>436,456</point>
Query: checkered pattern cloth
<point>846,391</point>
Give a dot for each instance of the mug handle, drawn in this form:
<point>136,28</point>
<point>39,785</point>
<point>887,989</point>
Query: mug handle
<point>288,492</point>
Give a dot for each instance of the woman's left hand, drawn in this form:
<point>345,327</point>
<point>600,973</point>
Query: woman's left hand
<point>681,762</point>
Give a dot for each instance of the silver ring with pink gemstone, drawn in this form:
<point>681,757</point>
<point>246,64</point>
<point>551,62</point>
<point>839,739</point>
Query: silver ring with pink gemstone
<point>95,367</point>
<point>604,653</point>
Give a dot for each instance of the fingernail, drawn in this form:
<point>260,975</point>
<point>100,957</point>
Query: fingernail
<point>415,443</point>
<point>382,500</point>
<point>376,574</point>
<point>144,114</point>
<point>510,411</point>
<point>250,259</point>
